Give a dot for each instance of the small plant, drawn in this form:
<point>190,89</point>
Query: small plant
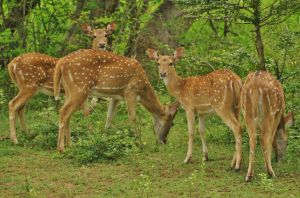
<point>29,188</point>
<point>111,145</point>
<point>191,180</point>
<point>43,135</point>
<point>266,182</point>
<point>144,184</point>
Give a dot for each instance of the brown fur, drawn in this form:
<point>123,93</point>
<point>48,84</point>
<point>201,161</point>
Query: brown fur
<point>218,91</point>
<point>98,73</point>
<point>263,103</point>
<point>33,73</point>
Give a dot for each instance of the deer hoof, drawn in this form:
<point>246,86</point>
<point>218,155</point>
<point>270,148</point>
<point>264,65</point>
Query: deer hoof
<point>60,150</point>
<point>14,140</point>
<point>205,158</point>
<point>248,178</point>
<point>187,160</point>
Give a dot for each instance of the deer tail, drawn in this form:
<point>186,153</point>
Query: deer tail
<point>11,71</point>
<point>237,88</point>
<point>56,80</point>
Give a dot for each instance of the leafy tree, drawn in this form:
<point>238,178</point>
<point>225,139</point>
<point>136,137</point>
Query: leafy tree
<point>250,12</point>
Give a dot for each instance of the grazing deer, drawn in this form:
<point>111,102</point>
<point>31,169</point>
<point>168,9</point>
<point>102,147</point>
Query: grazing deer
<point>33,72</point>
<point>263,102</point>
<point>218,91</point>
<point>102,73</point>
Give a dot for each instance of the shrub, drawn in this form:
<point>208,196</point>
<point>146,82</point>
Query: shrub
<point>110,145</point>
<point>43,135</point>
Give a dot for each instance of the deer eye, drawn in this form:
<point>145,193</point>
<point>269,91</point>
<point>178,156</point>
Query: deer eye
<point>94,36</point>
<point>171,64</point>
<point>106,35</point>
<point>157,63</point>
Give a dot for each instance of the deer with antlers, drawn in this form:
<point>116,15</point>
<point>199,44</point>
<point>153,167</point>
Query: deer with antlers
<point>33,73</point>
<point>102,73</point>
<point>263,102</point>
<point>218,91</point>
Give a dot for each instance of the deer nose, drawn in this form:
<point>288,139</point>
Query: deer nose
<point>101,45</point>
<point>163,75</point>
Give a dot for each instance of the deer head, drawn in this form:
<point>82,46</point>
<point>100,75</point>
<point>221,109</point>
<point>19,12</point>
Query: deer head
<point>99,35</point>
<point>162,126</point>
<point>281,136</point>
<point>165,63</point>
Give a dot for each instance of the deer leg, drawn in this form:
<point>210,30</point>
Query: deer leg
<point>266,144</point>
<point>113,103</point>
<point>251,128</point>
<point>231,121</point>
<point>68,133</point>
<point>21,114</point>
<point>85,108</point>
<point>268,132</point>
<point>14,107</point>
<point>202,135</point>
<point>70,106</point>
<point>93,102</point>
<point>191,120</point>
<point>131,108</point>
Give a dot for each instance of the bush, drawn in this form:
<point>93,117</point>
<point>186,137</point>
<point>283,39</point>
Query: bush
<point>111,145</point>
<point>43,136</point>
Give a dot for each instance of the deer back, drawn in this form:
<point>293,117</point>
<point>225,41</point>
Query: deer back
<point>32,70</point>
<point>262,95</point>
<point>102,71</point>
<point>214,90</point>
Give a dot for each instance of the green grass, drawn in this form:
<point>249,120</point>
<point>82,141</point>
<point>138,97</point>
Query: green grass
<point>153,171</point>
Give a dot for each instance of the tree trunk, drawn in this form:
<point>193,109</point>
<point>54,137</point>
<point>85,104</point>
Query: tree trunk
<point>260,48</point>
<point>74,17</point>
<point>134,15</point>
<point>258,39</point>
<point>104,8</point>
<point>166,25</point>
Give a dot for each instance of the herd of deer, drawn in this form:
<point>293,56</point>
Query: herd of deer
<point>100,73</point>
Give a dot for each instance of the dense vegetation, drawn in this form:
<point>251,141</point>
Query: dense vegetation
<point>241,35</point>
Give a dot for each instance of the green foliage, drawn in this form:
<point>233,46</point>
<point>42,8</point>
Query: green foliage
<point>111,145</point>
<point>266,182</point>
<point>43,135</point>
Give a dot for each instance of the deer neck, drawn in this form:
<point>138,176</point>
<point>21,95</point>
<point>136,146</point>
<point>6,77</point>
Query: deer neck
<point>150,101</point>
<point>174,83</point>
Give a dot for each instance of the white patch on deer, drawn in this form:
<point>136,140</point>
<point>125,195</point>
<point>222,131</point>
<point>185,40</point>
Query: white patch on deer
<point>21,74</point>
<point>166,81</point>
<point>203,105</point>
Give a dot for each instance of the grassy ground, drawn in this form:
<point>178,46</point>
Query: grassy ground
<point>153,171</point>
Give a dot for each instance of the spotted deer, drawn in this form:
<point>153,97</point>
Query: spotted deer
<point>33,73</point>
<point>263,103</point>
<point>218,92</point>
<point>101,73</point>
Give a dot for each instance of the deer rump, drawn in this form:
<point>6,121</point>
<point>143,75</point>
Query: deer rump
<point>263,103</point>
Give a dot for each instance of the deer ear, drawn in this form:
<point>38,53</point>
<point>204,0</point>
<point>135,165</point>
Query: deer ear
<point>87,29</point>
<point>111,27</point>
<point>288,119</point>
<point>152,54</point>
<point>178,53</point>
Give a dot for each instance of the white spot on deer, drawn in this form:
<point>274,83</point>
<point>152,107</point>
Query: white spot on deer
<point>70,75</point>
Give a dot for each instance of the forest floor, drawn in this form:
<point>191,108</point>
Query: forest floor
<point>153,171</point>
